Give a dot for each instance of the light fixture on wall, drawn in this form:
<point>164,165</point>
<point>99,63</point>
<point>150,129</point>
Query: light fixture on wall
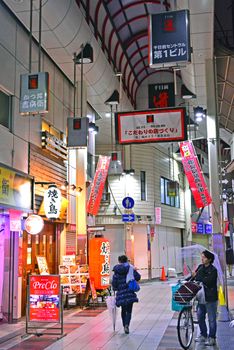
<point>93,127</point>
<point>113,100</point>
<point>186,94</point>
<point>84,57</point>
<point>128,172</point>
<point>199,113</point>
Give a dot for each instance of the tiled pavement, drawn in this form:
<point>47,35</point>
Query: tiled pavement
<point>153,327</point>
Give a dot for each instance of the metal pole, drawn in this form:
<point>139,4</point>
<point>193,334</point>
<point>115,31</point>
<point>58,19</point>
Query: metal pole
<point>213,157</point>
<point>74,82</point>
<point>39,47</point>
<point>112,141</point>
<point>30,37</point>
<point>81,88</point>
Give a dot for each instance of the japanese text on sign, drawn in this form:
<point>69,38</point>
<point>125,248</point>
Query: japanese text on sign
<point>105,251</point>
<point>194,175</point>
<point>52,202</point>
<point>151,126</point>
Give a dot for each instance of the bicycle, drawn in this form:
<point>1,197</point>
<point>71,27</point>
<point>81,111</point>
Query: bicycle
<point>184,302</point>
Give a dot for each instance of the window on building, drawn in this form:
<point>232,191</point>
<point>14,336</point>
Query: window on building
<point>143,185</point>
<point>171,199</point>
<point>5,110</point>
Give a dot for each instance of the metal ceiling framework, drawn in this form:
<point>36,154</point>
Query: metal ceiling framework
<point>225,82</point>
<point>123,32</point>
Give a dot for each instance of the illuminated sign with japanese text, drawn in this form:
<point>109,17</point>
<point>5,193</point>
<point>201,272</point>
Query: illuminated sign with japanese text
<point>161,95</point>
<point>169,39</point>
<point>52,202</point>
<point>34,93</point>
<point>161,125</point>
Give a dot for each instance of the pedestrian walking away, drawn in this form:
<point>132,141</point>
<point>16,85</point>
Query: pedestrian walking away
<point>206,273</point>
<point>229,259</point>
<point>123,273</point>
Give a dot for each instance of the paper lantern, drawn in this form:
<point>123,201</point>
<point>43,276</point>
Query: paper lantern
<point>52,202</point>
<point>99,262</point>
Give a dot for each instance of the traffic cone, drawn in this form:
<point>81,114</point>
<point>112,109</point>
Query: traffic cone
<point>163,275</point>
<point>222,311</point>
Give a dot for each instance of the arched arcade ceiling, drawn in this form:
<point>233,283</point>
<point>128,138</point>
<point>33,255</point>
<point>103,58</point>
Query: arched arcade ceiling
<point>117,29</point>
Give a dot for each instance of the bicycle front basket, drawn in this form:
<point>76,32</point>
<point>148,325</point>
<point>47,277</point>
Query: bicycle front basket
<point>186,292</point>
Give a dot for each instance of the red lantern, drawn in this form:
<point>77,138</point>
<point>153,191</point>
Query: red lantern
<point>99,262</point>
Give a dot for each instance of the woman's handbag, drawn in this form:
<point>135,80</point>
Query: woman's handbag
<point>130,280</point>
<point>133,286</point>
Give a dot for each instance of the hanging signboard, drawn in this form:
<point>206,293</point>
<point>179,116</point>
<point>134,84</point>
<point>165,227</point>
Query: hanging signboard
<point>99,262</point>
<point>161,95</point>
<point>98,185</point>
<point>169,39</point>
<point>44,298</point>
<point>194,175</point>
<point>52,202</point>
<point>34,93</point>
<point>16,189</point>
<point>161,125</point>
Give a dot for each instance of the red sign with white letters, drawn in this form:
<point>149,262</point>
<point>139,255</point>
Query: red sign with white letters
<point>44,298</point>
<point>98,185</point>
<point>194,175</point>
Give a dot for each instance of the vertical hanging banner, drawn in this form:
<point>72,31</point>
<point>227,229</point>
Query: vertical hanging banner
<point>194,175</point>
<point>161,95</point>
<point>169,39</point>
<point>98,185</point>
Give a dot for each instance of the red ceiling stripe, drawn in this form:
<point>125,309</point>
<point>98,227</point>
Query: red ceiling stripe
<point>96,17</point>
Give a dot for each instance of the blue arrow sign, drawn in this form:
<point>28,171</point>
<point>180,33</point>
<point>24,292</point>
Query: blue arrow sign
<point>128,202</point>
<point>128,217</point>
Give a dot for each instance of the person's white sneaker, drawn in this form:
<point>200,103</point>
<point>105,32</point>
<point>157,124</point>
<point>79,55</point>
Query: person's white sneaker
<point>200,339</point>
<point>210,342</point>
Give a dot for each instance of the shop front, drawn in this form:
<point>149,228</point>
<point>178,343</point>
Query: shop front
<point>41,250</point>
<point>16,200</point>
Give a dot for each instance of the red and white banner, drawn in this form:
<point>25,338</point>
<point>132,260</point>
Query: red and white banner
<point>161,125</point>
<point>194,175</point>
<point>44,298</point>
<point>98,185</point>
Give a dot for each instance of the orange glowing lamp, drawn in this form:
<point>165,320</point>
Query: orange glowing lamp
<point>99,262</point>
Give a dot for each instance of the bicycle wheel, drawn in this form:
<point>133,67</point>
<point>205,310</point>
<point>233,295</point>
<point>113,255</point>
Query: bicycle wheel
<point>185,327</point>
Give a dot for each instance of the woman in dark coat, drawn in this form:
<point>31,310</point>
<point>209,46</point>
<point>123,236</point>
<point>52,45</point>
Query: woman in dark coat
<point>124,297</point>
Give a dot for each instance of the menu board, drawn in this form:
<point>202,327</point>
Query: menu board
<point>44,298</point>
<point>74,278</point>
<point>42,265</point>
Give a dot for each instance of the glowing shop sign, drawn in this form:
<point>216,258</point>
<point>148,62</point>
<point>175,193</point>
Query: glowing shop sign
<point>52,202</point>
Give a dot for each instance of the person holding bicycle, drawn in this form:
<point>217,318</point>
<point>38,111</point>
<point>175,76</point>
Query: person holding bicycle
<point>207,274</point>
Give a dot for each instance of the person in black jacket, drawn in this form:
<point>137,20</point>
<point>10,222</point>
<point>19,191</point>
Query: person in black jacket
<point>124,297</point>
<point>207,274</point>
<point>229,259</point>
